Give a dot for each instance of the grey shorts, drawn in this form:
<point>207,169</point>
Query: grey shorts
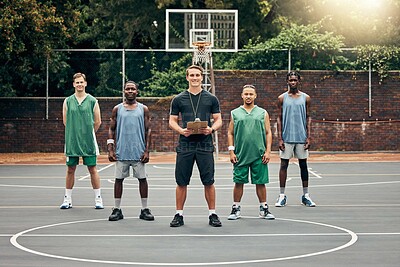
<point>122,169</point>
<point>293,150</point>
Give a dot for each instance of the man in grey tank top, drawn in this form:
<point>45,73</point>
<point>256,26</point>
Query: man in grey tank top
<point>129,138</point>
<point>294,127</point>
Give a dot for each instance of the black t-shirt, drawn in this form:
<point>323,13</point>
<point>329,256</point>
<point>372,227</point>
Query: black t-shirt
<point>208,105</point>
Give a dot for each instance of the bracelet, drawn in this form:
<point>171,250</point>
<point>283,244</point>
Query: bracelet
<point>110,141</point>
<point>213,130</point>
<point>231,148</point>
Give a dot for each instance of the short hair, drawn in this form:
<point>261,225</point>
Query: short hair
<point>136,85</point>
<point>78,75</point>
<point>249,86</point>
<point>293,73</point>
<point>194,67</point>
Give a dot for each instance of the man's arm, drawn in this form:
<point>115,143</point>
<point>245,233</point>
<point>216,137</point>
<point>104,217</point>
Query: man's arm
<point>173,124</point>
<point>111,135</point>
<point>308,117</point>
<point>231,142</point>
<point>267,154</point>
<point>146,155</point>
<point>97,117</point>
<point>279,123</point>
<point>64,112</point>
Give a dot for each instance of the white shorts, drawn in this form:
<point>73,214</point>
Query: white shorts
<point>293,150</point>
<point>122,169</point>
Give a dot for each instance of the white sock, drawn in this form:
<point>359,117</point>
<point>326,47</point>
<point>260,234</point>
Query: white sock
<point>211,212</point>
<point>97,193</point>
<point>180,212</point>
<point>144,203</point>
<point>117,203</point>
<point>236,204</point>
<point>68,193</point>
<point>263,204</point>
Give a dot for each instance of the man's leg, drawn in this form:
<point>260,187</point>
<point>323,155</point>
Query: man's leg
<point>209,193</point>
<point>70,178</point>
<point>117,212</point>
<point>69,184</point>
<point>305,199</point>
<point>181,192</point>
<point>95,180</point>
<point>281,201</point>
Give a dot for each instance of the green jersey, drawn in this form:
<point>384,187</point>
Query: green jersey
<point>80,138</point>
<point>249,134</point>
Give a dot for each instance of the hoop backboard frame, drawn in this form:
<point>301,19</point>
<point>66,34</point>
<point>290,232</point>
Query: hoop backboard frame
<point>222,24</point>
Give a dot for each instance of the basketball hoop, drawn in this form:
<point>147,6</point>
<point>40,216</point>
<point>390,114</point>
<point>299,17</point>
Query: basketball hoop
<point>202,52</point>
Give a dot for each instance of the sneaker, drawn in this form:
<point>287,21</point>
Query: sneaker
<point>281,201</point>
<point>235,213</point>
<point>67,204</point>
<point>214,220</point>
<point>98,203</point>
<point>306,201</point>
<point>146,215</point>
<point>116,215</point>
<point>177,221</point>
<point>265,214</point>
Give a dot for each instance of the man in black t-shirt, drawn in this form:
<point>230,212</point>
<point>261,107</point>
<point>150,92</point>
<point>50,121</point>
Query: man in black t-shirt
<point>195,104</point>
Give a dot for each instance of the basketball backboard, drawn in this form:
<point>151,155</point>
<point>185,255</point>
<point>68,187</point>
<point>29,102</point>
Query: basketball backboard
<point>215,26</point>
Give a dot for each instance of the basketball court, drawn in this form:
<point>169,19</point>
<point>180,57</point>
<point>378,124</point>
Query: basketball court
<point>356,221</point>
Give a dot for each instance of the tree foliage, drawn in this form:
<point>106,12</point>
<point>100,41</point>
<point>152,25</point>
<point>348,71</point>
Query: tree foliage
<point>29,30</point>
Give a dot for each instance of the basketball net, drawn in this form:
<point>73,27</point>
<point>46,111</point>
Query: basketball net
<point>201,53</point>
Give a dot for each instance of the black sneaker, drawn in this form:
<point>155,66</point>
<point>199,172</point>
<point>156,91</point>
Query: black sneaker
<point>214,220</point>
<point>177,221</point>
<point>146,215</point>
<point>116,215</point>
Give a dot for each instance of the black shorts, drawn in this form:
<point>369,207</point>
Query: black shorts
<point>184,167</point>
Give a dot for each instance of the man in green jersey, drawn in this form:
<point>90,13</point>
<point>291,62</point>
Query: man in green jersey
<point>249,140</point>
<point>81,118</point>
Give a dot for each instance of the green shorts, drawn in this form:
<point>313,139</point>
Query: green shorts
<point>87,160</point>
<point>258,172</point>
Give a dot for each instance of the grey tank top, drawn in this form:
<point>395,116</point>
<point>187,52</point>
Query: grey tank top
<point>130,133</point>
<point>294,121</point>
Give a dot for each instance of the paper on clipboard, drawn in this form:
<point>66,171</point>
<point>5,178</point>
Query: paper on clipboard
<point>196,125</point>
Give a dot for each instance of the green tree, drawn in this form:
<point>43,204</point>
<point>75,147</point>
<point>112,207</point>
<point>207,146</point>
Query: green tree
<point>29,30</point>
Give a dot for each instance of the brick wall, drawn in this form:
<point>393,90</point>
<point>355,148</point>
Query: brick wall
<point>340,112</point>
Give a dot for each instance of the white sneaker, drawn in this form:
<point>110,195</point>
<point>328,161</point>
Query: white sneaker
<point>98,203</point>
<point>306,201</point>
<point>281,201</point>
<point>235,213</point>
<point>67,204</point>
<point>265,214</point>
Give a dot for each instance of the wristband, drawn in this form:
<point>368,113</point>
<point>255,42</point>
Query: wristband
<point>110,141</point>
<point>212,130</point>
<point>231,148</point>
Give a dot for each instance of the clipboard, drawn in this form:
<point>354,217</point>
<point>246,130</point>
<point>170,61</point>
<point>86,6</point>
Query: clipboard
<point>196,125</point>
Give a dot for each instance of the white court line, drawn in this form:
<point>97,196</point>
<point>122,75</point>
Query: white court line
<point>102,169</point>
<point>353,240</point>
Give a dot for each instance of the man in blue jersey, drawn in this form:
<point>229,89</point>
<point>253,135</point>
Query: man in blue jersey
<point>294,132</point>
<point>81,118</point>
<point>128,143</point>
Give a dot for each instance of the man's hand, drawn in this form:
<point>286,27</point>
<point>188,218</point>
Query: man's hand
<point>307,144</point>
<point>233,157</point>
<point>281,145</point>
<point>145,157</point>
<point>111,155</point>
<point>266,157</point>
<point>206,130</point>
